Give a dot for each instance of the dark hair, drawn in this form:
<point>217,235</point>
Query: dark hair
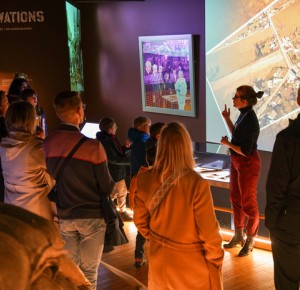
<point>67,100</point>
<point>14,99</point>
<point>20,117</point>
<point>2,94</point>
<point>15,86</point>
<point>155,129</point>
<point>249,94</point>
<point>106,123</point>
<point>27,93</point>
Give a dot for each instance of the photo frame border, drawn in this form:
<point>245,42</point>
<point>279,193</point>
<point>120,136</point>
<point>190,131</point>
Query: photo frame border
<point>170,111</point>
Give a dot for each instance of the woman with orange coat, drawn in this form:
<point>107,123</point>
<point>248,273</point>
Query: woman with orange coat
<point>174,211</point>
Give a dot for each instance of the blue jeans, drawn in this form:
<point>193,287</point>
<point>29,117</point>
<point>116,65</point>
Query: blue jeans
<point>139,246</point>
<point>84,241</point>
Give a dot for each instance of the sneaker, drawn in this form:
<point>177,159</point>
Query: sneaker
<point>139,262</point>
<point>126,217</point>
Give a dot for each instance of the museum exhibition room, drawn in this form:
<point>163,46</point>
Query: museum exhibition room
<point>170,61</point>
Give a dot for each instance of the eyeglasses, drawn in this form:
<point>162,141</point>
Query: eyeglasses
<point>83,106</point>
<point>236,97</point>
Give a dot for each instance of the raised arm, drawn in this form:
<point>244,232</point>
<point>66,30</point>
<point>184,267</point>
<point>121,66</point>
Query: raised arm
<point>226,116</point>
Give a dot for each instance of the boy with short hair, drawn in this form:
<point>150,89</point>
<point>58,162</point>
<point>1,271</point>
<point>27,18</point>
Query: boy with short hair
<point>138,135</point>
<point>151,143</point>
<point>117,162</point>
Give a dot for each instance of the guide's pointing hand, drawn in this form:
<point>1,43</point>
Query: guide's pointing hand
<point>226,112</point>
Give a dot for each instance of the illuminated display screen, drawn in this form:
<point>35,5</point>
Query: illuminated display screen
<point>90,130</point>
<point>74,44</point>
<point>167,74</point>
<point>252,43</point>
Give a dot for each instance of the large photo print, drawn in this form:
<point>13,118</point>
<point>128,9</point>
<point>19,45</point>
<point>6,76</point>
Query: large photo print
<point>167,76</point>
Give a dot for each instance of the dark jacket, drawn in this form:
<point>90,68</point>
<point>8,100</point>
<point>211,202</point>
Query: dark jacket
<point>283,182</point>
<point>85,178</point>
<point>151,145</point>
<point>138,150</point>
<point>3,130</point>
<point>117,159</point>
<point>3,133</point>
<point>246,131</point>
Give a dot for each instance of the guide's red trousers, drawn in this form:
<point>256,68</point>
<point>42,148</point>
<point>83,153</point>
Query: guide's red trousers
<point>244,173</point>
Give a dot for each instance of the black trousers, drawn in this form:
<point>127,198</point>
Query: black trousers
<point>139,246</point>
<point>286,256</point>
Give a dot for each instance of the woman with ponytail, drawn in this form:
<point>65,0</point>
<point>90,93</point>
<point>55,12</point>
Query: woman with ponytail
<point>244,169</point>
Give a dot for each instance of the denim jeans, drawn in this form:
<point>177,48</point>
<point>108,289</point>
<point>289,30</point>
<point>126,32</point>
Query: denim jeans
<point>84,241</point>
<point>139,246</point>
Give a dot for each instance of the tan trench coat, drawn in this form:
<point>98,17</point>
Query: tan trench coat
<point>185,250</point>
<point>26,179</point>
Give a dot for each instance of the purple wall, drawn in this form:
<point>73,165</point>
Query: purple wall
<point>110,34</point>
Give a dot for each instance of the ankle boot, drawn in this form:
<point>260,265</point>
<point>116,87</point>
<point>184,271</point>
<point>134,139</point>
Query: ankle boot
<point>238,238</point>
<point>247,248</point>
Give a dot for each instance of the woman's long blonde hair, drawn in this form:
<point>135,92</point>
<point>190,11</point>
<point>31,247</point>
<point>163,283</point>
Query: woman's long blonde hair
<point>174,152</point>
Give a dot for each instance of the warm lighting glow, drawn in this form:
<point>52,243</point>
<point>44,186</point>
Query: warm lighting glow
<point>132,226</point>
<point>229,233</point>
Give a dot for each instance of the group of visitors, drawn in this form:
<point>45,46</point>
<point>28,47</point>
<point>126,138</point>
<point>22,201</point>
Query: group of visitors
<point>172,204</point>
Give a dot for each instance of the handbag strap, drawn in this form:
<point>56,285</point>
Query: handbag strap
<point>161,192</point>
<point>63,163</point>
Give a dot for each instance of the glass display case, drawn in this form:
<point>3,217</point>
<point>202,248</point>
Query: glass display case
<point>212,163</point>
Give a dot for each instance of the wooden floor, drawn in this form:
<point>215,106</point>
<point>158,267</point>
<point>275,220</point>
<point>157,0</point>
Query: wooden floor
<point>239,273</point>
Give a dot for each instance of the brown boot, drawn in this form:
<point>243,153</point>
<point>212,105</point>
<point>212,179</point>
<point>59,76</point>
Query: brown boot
<point>238,238</point>
<point>247,248</point>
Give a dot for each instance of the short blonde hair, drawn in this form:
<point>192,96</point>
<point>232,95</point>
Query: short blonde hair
<point>174,152</point>
<point>20,117</point>
<point>140,121</point>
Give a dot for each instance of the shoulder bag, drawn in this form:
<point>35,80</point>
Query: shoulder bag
<point>115,234</point>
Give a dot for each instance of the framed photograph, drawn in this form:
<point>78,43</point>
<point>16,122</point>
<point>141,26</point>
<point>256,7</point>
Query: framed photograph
<point>167,74</point>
